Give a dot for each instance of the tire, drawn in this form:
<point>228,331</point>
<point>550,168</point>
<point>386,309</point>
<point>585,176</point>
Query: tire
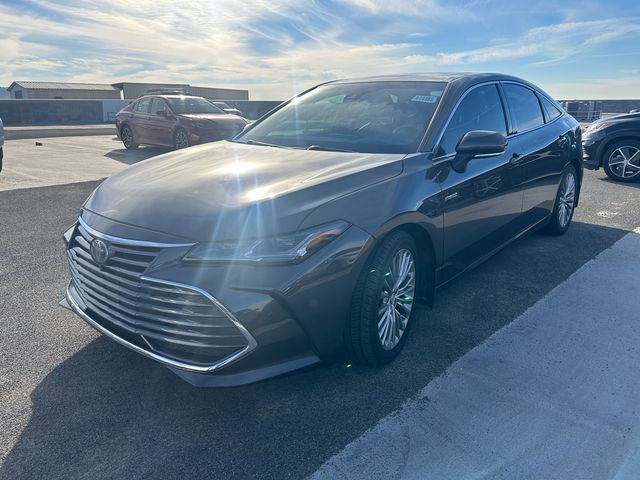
<point>126,134</point>
<point>181,139</point>
<point>621,161</point>
<point>565,203</point>
<point>367,331</point>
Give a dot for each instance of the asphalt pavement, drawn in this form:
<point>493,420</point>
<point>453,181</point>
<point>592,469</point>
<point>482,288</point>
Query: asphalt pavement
<point>74,404</point>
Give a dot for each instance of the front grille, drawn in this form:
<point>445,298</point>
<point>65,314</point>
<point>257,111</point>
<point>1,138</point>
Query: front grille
<point>169,320</point>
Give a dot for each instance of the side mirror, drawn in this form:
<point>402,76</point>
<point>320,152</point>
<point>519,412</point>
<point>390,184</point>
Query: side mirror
<point>478,143</point>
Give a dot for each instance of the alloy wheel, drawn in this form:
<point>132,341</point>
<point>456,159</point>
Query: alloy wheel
<point>567,199</point>
<point>127,137</point>
<point>396,299</point>
<point>181,139</point>
<point>624,162</point>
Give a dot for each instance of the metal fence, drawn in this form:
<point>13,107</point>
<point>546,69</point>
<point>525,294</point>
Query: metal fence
<point>94,112</point>
<point>590,110</point>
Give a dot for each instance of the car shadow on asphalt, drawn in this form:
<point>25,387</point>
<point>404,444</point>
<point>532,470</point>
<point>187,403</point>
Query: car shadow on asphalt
<point>106,412</point>
<point>621,184</point>
<point>134,156</point>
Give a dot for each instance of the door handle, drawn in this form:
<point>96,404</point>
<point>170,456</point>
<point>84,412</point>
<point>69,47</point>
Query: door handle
<point>516,158</point>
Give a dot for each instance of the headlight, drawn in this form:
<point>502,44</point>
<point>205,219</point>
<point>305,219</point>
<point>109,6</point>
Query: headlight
<point>288,248</point>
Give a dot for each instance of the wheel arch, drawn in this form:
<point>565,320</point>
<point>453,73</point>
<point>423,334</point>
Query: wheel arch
<point>124,123</point>
<point>426,250</point>
<point>609,142</point>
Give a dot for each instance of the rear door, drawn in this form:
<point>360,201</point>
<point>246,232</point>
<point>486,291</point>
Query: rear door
<point>482,205</point>
<point>140,119</point>
<point>544,142</point>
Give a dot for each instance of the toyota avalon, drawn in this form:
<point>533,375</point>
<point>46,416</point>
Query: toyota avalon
<point>322,226</point>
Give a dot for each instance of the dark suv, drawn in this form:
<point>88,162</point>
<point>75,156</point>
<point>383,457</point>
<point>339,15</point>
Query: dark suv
<point>320,227</point>
<point>177,121</point>
<point>614,144</point>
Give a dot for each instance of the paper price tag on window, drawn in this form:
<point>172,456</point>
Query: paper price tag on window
<point>425,98</point>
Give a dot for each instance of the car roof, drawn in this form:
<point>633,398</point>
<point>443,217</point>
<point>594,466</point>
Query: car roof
<point>461,79</point>
<point>174,95</point>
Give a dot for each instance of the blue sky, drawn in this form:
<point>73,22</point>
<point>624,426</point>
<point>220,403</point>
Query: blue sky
<point>573,49</point>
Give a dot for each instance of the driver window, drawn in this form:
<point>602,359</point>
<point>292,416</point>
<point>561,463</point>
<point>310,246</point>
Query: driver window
<point>481,109</point>
<point>157,105</point>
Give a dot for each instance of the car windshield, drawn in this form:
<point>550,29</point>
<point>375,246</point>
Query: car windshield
<point>368,117</point>
<point>182,105</point>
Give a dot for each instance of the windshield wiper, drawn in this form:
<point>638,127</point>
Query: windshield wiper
<point>264,144</point>
<point>328,149</point>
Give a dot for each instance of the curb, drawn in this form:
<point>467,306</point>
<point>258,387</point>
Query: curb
<point>18,133</point>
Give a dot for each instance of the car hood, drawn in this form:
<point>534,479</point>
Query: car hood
<point>216,117</point>
<point>229,190</point>
<point>622,116</point>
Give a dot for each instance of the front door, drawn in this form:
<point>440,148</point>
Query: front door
<point>160,124</point>
<point>482,206</point>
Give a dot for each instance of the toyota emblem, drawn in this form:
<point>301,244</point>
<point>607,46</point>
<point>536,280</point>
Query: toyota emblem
<point>99,251</point>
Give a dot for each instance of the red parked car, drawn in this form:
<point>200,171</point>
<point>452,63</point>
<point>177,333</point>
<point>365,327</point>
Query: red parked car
<point>177,121</point>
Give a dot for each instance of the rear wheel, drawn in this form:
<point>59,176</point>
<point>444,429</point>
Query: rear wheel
<point>181,139</point>
<point>127,138</point>
<point>565,203</point>
<point>383,301</point>
<point>621,161</point>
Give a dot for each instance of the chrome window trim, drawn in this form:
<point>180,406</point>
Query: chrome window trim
<point>252,344</point>
<point>140,243</point>
<point>453,110</point>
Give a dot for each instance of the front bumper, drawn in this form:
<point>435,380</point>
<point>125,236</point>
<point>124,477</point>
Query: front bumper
<point>293,315</point>
<point>591,152</point>
<point>201,135</point>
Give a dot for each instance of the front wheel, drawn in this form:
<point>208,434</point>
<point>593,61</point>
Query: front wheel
<point>181,139</point>
<point>565,203</point>
<point>383,301</point>
<point>621,161</point>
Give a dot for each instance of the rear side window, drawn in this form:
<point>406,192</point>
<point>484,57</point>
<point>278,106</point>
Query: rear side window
<point>551,111</point>
<point>524,106</point>
<point>480,109</point>
<point>142,106</point>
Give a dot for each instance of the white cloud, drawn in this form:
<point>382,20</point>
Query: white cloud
<point>626,87</point>
<point>272,48</point>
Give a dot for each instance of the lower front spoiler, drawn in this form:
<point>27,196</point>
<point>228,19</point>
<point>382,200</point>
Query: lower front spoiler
<point>196,377</point>
<point>246,377</point>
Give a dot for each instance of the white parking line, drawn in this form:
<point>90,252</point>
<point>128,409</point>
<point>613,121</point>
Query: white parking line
<point>553,395</point>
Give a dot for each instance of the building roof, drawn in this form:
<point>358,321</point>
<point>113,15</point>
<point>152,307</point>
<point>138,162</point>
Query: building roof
<point>61,86</point>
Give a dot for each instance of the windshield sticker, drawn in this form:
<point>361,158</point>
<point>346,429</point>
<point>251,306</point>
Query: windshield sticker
<point>425,98</point>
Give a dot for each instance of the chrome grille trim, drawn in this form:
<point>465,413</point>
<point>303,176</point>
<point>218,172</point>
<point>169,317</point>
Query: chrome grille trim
<point>151,312</point>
